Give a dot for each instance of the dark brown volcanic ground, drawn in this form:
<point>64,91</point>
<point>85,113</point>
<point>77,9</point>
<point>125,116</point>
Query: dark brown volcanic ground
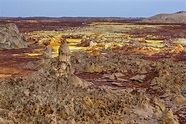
<point>49,24</point>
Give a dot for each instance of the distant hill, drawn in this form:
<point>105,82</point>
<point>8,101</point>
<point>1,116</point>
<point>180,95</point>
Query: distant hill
<point>178,17</point>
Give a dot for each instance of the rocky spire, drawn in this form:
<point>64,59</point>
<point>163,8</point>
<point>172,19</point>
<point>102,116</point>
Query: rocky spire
<point>64,67</point>
<point>47,54</point>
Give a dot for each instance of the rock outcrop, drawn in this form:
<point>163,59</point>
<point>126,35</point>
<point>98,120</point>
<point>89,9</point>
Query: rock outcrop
<point>178,17</point>
<point>10,38</point>
<point>64,67</point>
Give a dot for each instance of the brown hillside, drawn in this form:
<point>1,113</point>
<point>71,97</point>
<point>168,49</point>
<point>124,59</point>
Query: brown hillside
<point>178,17</point>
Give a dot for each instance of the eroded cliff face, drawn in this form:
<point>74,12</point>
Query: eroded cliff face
<point>10,38</point>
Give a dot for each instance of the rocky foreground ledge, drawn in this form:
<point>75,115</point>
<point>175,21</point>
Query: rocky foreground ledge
<point>55,95</point>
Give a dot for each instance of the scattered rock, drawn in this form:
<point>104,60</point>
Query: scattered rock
<point>183,91</point>
<point>122,80</point>
<point>117,84</point>
<point>46,98</point>
<point>146,111</point>
<point>118,74</point>
<point>179,100</point>
<point>138,78</point>
<point>112,77</point>
<point>92,67</point>
<point>105,76</point>
<point>76,81</point>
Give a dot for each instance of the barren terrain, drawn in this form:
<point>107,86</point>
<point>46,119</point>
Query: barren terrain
<point>125,72</point>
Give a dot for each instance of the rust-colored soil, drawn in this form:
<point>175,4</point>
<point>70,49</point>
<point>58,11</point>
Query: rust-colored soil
<point>13,62</point>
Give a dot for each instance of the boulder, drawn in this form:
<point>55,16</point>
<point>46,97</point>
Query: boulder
<point>183,90</point>
<point>10,38</point>
<point>93,67</point>
<point>138,78</point>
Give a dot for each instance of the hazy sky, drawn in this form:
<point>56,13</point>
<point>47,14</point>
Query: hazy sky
<point>105,8</point>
